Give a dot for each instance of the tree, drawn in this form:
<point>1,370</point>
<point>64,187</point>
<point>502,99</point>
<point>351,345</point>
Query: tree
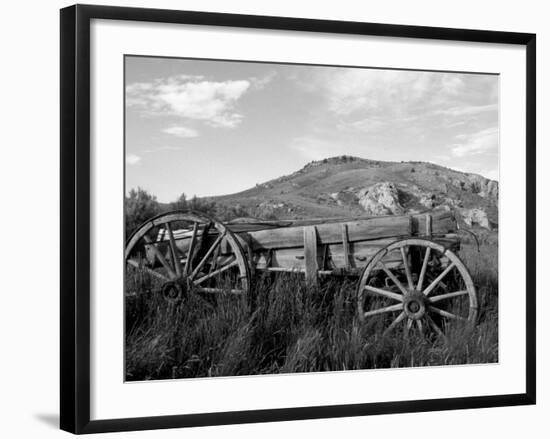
<point>180,203</point>
<point>202,205</point>
<point>139,207</point>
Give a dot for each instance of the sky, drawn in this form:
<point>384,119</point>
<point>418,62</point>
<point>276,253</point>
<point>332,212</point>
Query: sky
<point>209,127</point>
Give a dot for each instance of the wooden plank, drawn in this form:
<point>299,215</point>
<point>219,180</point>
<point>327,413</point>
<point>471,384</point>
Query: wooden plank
<point>360,254</point>
<point>429,225</point>
<point>310,254</point>
<point>365,230</point>
<point>345,246</point>
<point>360,230</point>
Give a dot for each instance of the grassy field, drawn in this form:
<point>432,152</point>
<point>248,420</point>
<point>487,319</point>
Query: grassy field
<point>292,329</point>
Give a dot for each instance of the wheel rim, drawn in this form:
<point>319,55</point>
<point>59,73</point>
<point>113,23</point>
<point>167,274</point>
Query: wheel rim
<point>415,284</point>
<point>180,253</point>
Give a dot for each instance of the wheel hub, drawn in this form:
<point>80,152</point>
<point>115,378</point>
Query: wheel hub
<point>174,291</point>
<point>414,305</point>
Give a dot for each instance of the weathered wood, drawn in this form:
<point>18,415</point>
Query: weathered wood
<point>391,308</point>
<point>385,293</point>
<point>216,272</point>
<point>446,296</point>
<point>159,256</point>
<point>176,259</point>
<point>429,225</point>
<point>190,250</point>
<point>345,246</point>
<point>207,255</point>
<point>359,230</point>
<point>199,235</point>
<point>405,258</point>
<point>438,279</point>
<point>293,258</point>
<point>366,229</point>
<point>310,254</point>
<point>423,270</point>
<point>152,272</point>
<point>360,254</point>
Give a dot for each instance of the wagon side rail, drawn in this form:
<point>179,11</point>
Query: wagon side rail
<point>345,247</point>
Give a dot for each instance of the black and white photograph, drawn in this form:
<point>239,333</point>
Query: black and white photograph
<point>289,218</point>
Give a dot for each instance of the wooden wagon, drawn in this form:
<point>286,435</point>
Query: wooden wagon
<point>407,268</point>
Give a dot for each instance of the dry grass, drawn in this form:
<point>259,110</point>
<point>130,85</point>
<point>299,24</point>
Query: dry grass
<point>292,329</point>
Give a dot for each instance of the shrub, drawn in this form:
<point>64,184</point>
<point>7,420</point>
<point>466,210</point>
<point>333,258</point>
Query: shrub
<point>180,203</point>
<point>139,206</point>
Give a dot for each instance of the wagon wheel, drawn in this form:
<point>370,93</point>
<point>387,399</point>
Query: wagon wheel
<point>417,285</point>
<point>181,252</point>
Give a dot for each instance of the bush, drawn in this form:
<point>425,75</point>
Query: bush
<point>180,203</point>
<point>139,206</point>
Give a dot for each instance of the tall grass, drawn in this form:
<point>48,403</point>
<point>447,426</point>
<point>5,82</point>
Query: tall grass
<point>292,328</point>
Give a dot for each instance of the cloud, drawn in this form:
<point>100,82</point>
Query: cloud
<point>190,98</point>
<point>400,95</point>
<point>365,90</point>
<point>261,83</point>
<point>366,125</point>
<point>469,110</point>
<point>483,141</point>
<point>132,159</point>
<point>163,148</point>
<point>180,131</point>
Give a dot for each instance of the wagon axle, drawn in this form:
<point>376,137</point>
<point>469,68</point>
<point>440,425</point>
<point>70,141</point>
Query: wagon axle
<point>174,290</point>
<point>414,305</point>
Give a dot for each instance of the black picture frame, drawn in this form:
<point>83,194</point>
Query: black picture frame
<point>75,217</point>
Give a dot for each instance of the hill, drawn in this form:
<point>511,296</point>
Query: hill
<point>353,186</point>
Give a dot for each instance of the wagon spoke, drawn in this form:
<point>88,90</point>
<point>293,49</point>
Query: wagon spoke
<point>438,279</point>
<point>216,272</point>
<point>384,293</point>
<point>398,320</point>
<point>174,250</point>
<point>393,278</point>
<point>159,256</point>
<point>434,326</point>
<point>420,326</point>
<point>392,308</point>
<point>191,249</point>
<point>441,297</point>
<point>444,313</point>
<point>423,270</point>
<point>409,325</point>
<point>220,290</point>
<point>136,264</point>
<point>207,255</point>
<point>407,268</point>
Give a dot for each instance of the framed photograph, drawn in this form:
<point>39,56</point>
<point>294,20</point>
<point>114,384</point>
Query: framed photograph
<point>274,218</point>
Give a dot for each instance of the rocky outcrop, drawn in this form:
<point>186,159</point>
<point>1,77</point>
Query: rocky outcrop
<point>476,217</point>
<point>428,200</point>
<point>490,190</point>
<point>380,199</point>
<point>476,184</point>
